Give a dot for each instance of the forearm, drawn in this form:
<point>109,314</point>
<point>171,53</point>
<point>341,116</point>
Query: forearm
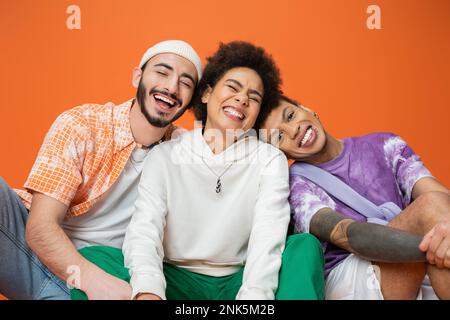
<point>371,241</point>
<point>260,279</point>
<point>384,244</point>
<point>264,255</point>
<point>143,243</point>
<point>268,235</point>
<point>143,255</point>
<point>143,249</point>
<point>55,250</point>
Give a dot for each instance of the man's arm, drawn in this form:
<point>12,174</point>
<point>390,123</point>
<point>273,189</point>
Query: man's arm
<point>370,241</point>
<point>48,240</point>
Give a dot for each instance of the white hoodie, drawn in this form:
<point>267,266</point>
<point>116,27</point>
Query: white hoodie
<point>180,219</point>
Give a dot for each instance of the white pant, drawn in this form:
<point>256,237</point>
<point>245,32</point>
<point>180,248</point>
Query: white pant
<point>357,279</point>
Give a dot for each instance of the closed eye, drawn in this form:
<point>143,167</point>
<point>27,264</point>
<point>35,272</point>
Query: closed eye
<point>187,84</point>
<point>232,88</point>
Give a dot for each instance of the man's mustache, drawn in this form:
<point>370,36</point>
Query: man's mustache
<point>171,95</point>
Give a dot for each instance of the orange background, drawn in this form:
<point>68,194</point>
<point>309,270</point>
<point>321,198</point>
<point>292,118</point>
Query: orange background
<point>358,80</point>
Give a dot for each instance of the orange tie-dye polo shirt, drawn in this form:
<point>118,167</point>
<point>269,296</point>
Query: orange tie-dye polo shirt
<point>83,154</point>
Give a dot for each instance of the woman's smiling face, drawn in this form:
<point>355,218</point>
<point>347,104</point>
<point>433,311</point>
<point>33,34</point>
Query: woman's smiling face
<point>235,100</point>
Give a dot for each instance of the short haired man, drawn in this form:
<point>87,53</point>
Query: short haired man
<point>83,184</point>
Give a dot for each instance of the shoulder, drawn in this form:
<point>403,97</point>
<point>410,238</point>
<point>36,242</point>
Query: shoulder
<point>89,115</point>
<point>170,151</point>
<point>94,111</point>
<point>71,123</point>
<point>394,147</point>
<point>376,137</point>
<point>267,152</point>
<point>387,143</point>
<point>178,136</point>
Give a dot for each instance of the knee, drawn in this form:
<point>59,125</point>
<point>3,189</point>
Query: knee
<point>303,239</point>
<point>305,244</point>
<point>4,188</point>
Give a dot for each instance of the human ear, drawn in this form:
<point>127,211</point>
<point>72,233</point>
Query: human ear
<point>136,78</point>
<point>206,95</point>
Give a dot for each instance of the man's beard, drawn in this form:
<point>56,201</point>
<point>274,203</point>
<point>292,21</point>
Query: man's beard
<point>159,122</point>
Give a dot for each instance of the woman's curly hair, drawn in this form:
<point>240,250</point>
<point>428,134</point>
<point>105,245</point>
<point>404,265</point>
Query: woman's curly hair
<point>240,54</point>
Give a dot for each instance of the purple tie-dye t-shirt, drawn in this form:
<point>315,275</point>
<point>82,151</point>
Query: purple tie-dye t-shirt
<point>379,166</point>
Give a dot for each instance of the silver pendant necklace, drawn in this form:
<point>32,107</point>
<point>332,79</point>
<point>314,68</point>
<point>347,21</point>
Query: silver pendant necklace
<point>218,183</point>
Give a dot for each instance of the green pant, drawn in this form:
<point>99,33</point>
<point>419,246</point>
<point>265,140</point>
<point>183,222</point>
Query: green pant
<point>301,274</point>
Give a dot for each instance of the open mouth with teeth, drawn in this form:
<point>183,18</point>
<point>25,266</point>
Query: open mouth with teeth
<point>308,137</point>
<point>164,102</point>
<point>234,114</point>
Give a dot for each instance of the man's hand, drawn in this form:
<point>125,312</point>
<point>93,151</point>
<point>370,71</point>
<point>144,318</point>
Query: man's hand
<point>148,296</point>
<point>436,243</point>
<point>99,285</point>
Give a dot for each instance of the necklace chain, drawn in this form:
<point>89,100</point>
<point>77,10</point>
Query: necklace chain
<point>219,183</point>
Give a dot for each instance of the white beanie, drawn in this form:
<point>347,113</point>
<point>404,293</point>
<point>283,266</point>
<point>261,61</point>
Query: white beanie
<point>177,47</point>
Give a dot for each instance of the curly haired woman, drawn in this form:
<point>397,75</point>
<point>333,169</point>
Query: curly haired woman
<point>212,213</point>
